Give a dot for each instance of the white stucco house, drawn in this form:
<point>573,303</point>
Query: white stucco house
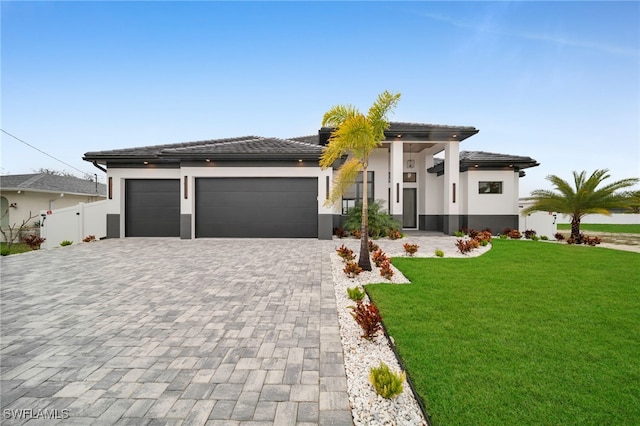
<point>268,187</point>
<point>25,194</point>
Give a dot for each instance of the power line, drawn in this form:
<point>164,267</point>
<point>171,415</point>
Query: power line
<point>48,155</point>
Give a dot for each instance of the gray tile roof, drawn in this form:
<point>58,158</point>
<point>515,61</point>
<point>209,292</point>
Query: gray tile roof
<point>312,139</point>
<point>51,183</point>
<point>241,148</point>
<point>486,159</point>
<point>417,132</point>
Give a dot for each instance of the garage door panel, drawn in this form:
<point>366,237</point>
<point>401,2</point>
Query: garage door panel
<point>256,207</point>
<point>152,208</point>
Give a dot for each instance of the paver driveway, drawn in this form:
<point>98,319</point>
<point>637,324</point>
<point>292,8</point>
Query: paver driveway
<point>169,331</point>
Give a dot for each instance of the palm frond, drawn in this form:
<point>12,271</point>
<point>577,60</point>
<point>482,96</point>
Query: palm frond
<point>584,197</point>
<point>338,114</point>
<point>379,111</point>
<point>345,177</point>
<point>356,135</point>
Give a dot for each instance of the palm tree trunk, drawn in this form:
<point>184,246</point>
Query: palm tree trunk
<point>364,261</point>
<point>575,228</point>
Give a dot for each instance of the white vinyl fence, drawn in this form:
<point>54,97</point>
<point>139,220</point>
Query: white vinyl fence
<point>614,219</point>
<point>73,223</point>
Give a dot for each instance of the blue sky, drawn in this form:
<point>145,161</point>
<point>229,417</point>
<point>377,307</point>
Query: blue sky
<point>557,81</point>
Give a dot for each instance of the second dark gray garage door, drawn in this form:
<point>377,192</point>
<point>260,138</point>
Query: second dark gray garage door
<point>257,207</point>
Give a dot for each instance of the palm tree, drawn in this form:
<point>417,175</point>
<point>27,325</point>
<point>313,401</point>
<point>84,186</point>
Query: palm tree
<point>583,198</point>
<point>356,135</point>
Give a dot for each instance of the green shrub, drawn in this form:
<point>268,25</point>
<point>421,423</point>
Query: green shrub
<point>544,238</point>
<point>439,253</point>
<point>379,221</point>
<point>386,383</point>
<point>535,238</point>
<point>483,243</point>
<point>503,236</point>
<point>355,293</point>
<point>5,251</point>
<point>66,243</point>
<point>459,234</point>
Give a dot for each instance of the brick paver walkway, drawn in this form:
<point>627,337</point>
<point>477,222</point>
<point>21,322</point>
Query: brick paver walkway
<point>169,331</point>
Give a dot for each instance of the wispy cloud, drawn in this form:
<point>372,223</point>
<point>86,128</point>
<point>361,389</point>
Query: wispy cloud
<point>549,38</point>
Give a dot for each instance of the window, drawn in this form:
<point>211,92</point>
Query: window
<point>353,195</point>
<point>489,187</point>
<point>409,177</point>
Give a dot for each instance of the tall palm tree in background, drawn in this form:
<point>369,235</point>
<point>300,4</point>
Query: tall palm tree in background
<point>356,135</point>
<point>583,198</point>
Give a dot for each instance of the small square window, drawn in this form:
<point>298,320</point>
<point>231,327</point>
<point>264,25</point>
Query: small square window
<point>409,177</point>
<point>489,187</point>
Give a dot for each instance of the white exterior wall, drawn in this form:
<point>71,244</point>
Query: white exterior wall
<point>426,185</point>
<point>115,205</point>
<point>34,202</point>
<point>74,223</point>
<point>379,164</point>
<point>464,193</point>
<point>498,204</point>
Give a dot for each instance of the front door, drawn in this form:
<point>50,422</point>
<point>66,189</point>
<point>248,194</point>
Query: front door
<point>409,211</point>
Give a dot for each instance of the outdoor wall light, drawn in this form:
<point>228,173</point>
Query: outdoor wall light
<point>410,162</point>
<point>145,162</point>
<point>207,160</point>
<point>13,205</point>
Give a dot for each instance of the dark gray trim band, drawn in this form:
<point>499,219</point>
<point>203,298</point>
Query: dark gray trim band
<point>185,226</point>
<point>113,225</point>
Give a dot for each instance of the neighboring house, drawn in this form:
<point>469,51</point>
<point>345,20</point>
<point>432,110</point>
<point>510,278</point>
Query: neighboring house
<point>22,195</point>
<point>267,187</point>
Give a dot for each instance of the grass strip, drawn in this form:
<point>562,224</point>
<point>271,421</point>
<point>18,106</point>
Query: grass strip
<point>602,227</point>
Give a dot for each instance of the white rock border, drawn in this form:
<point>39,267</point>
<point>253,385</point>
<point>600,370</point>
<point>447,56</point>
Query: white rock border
<point>360,355</point>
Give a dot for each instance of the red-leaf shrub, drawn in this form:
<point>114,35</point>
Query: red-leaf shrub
<point>385,270</point>
<point>33,241</point>
<point>352,269</point>
<point>368,317</point>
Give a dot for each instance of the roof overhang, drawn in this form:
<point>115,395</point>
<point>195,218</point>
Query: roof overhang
<point>413,132</point>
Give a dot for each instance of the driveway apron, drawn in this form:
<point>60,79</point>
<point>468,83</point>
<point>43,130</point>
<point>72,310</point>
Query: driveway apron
<point>168,331</point>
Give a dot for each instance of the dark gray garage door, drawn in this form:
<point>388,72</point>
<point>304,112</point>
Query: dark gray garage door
<point>257,207</point>
<point>152,208</point>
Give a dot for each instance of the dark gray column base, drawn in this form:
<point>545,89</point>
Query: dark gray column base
<point>185,226</point>
<point>325,226</point>
<point>113,225</point>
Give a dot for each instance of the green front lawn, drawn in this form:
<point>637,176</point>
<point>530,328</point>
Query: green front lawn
<point>529,333</point>
<point>617,229</point>
<point>15,248</point>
